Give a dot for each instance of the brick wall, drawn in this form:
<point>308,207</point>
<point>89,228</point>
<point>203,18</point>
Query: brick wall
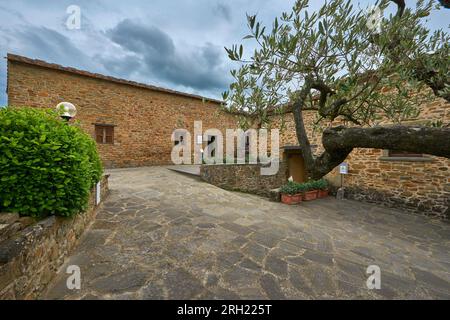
<point>144,117</point>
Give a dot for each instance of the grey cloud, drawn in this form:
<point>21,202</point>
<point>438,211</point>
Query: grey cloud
<point>122,67</point>
<point>41,43</point>
<point>140,38</point>
<point>50,45</point>
<point>159,56</point>
<point>211,54</point>
<point>14,13</point>
<point>223,10</point>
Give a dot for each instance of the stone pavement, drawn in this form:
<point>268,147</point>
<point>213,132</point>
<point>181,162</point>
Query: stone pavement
<point>164,235</point>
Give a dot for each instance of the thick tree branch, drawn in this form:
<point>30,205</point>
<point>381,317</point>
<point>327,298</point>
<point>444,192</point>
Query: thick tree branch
<point>427,140</point>
<point>400,7</point>
<point>340,141</point>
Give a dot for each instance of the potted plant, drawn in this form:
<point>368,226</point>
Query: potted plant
<point>322,185</point>
<point>310,191</point>
<point>291,193</point>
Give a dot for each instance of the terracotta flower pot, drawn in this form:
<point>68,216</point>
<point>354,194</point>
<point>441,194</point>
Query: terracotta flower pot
<point>322,193</point>
<point>291,198</point>
<point>310,195</point>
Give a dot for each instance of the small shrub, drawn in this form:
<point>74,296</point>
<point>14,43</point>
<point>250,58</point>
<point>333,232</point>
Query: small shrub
<point>47,167</point>
<point>321,184</point>
<point>292,188</point>
<point>311,185</point>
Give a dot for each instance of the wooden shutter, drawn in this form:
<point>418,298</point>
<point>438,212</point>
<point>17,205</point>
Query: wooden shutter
<point>104,134</point>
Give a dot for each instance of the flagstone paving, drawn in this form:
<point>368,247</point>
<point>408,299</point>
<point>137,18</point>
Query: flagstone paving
<point>164,235</point>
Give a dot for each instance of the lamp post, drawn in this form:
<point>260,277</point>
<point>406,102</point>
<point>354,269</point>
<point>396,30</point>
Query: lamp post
<point>66,110</point>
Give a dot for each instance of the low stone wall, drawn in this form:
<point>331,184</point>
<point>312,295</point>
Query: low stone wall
<point>413,205</point>
<point>31,252</point>
<point>244,177</point>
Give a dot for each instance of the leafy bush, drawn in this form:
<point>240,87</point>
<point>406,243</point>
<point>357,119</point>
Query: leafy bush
<point>47,167</point>
<point>292,188</point>
<point>308,186</point>
<point>321,184</point>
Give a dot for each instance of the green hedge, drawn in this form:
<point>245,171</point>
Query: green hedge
<point>47,167</point>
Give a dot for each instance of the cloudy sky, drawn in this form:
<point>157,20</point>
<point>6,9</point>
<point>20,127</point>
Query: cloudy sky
<point>175,44</point>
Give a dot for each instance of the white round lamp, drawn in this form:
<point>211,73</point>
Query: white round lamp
<point>66,110</point>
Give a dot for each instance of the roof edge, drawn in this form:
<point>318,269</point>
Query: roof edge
<point>44,64</point>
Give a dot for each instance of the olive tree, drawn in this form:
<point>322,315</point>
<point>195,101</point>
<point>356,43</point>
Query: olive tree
<point>356,69</point>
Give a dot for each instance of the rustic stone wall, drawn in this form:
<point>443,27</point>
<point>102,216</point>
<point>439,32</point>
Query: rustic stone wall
<point>244,177</point>
<point>31,255</point>
<point>417,185</point>
<point>144,116</point>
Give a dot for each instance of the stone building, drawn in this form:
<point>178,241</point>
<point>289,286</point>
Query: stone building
<point>133,122</point>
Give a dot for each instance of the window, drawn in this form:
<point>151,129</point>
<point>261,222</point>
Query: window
<point>404,154</point>
<point>104,133</point>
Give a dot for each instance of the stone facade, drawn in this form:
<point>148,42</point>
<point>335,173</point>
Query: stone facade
<point>244,177</point>
<point>143,116</point>
<point>420,185</point>
<point>31,255</point>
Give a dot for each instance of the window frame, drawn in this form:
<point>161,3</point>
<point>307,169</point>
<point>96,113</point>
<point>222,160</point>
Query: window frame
<point>390,155</point>
<point>105,137</point>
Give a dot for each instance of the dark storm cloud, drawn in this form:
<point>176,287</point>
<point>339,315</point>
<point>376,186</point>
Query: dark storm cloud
<point>140,38</point>
<point>159,56</point>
